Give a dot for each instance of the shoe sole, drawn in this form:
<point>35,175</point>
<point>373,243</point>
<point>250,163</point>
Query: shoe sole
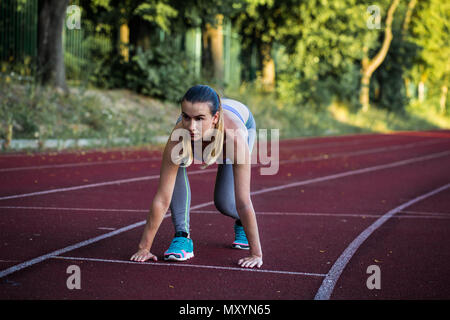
<point>237,246</point>
<point>172,257</point>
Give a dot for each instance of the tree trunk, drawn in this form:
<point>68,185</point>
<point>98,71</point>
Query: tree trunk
<point>9,136</point>
<point>405,28</point>
<point>409,11</point>
<point>214,38</point>
<point>407,82</point>
<point>139,33</point>
<point>443,100</point>
<point>268,67</point>
<point>50,46</point>
<point>365,91</point>
<point>421,87</point>
<point>124,34</point>
<point>369,66</point>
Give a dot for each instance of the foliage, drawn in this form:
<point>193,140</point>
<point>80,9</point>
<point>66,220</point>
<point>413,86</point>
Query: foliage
<point>388,87</point>
<point>323,62</point>
<point>30,111</point>
<point>431,32</point>
<point>161,72</point>
<point>317,46</point>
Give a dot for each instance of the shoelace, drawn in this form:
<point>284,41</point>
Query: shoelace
<point>240,233</point>
<point>178,243</point>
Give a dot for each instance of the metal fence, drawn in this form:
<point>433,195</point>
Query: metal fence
<point>19,30</point>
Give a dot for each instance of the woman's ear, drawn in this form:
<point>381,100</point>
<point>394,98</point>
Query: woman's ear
<point>216,118</point>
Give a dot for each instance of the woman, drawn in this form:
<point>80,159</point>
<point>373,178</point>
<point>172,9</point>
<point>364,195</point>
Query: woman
<point>214,126</point>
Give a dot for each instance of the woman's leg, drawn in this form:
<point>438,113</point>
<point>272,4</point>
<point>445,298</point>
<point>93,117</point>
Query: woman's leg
<point>224,198</point>
<point>224,201</point>
<point>181,201</point>
<point>181,247</point>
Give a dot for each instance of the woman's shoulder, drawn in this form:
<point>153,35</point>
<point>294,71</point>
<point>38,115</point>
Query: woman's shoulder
<point>232,102</point>
<point>241,109</point>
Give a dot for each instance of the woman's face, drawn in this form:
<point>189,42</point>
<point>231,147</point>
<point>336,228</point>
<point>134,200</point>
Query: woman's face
<point>196,117</point>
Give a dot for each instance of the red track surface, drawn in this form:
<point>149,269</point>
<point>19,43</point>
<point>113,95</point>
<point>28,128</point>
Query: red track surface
<point>52,201</point>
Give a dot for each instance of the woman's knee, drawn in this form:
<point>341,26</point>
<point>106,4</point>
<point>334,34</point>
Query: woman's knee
<point>225,206</point>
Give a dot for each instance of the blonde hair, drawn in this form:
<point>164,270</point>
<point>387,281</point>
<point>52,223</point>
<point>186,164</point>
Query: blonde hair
<point>187,155</point>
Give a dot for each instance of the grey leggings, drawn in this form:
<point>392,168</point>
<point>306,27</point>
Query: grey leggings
<point>224,198</point>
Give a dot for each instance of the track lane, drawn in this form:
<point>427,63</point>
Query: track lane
<point>169,235</point>
<point>198,179</point>
<point>412,255</point>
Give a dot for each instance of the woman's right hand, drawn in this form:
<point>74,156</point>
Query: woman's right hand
<point>143,255</point>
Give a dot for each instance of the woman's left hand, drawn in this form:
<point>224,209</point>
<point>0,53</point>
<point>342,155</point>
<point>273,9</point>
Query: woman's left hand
<point>251,261</point>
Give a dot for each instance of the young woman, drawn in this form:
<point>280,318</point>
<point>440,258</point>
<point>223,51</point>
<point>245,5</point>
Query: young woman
<point>214,126</point>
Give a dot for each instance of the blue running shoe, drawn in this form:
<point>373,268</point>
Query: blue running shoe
<point>181,249</point>
<point>240,239</point>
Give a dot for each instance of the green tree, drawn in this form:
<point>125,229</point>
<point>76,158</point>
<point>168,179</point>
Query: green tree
<point>325,45</point>
<point>431,31</point>
<point>210,17</point>
<point>369,65</point>
<point>390,82</point>
<point>139,16</point>
<point>51,69</point>
<point>257,24</point>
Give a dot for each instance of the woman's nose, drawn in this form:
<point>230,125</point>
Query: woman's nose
<point>191,126</point>
<point>195,126</point>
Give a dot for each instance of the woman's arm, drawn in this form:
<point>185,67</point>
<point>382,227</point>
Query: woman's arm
<point>160,205</point>
<point>244,206</point>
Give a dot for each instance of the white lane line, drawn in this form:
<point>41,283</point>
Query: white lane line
<point>78,164</point>
<point>130,180</point>
<point>113,233</point>
<point>407,214</point>
<point>72,209</point>
<point>334,144</point>
<point>91,163</point>
<point>78,245</point>
<point>166,264</point>
<point>354,172</point>
<point>328,284</point>
<point>85,186</point>
<point>344,215</point>
<point>334,215</point>
<point>444,214</point>
<point>31,262</point>
<point>360,152</point>
<point>320,157</point>
<point>95,185</point>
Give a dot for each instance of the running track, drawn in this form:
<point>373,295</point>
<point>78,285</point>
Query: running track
<point>336,206</point>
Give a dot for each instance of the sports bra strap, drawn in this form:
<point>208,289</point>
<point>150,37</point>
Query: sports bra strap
<point>234,111</point>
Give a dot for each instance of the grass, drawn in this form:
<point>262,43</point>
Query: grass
<point>39,113</point>
<point>97,115</point>
<point>337,118</point>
